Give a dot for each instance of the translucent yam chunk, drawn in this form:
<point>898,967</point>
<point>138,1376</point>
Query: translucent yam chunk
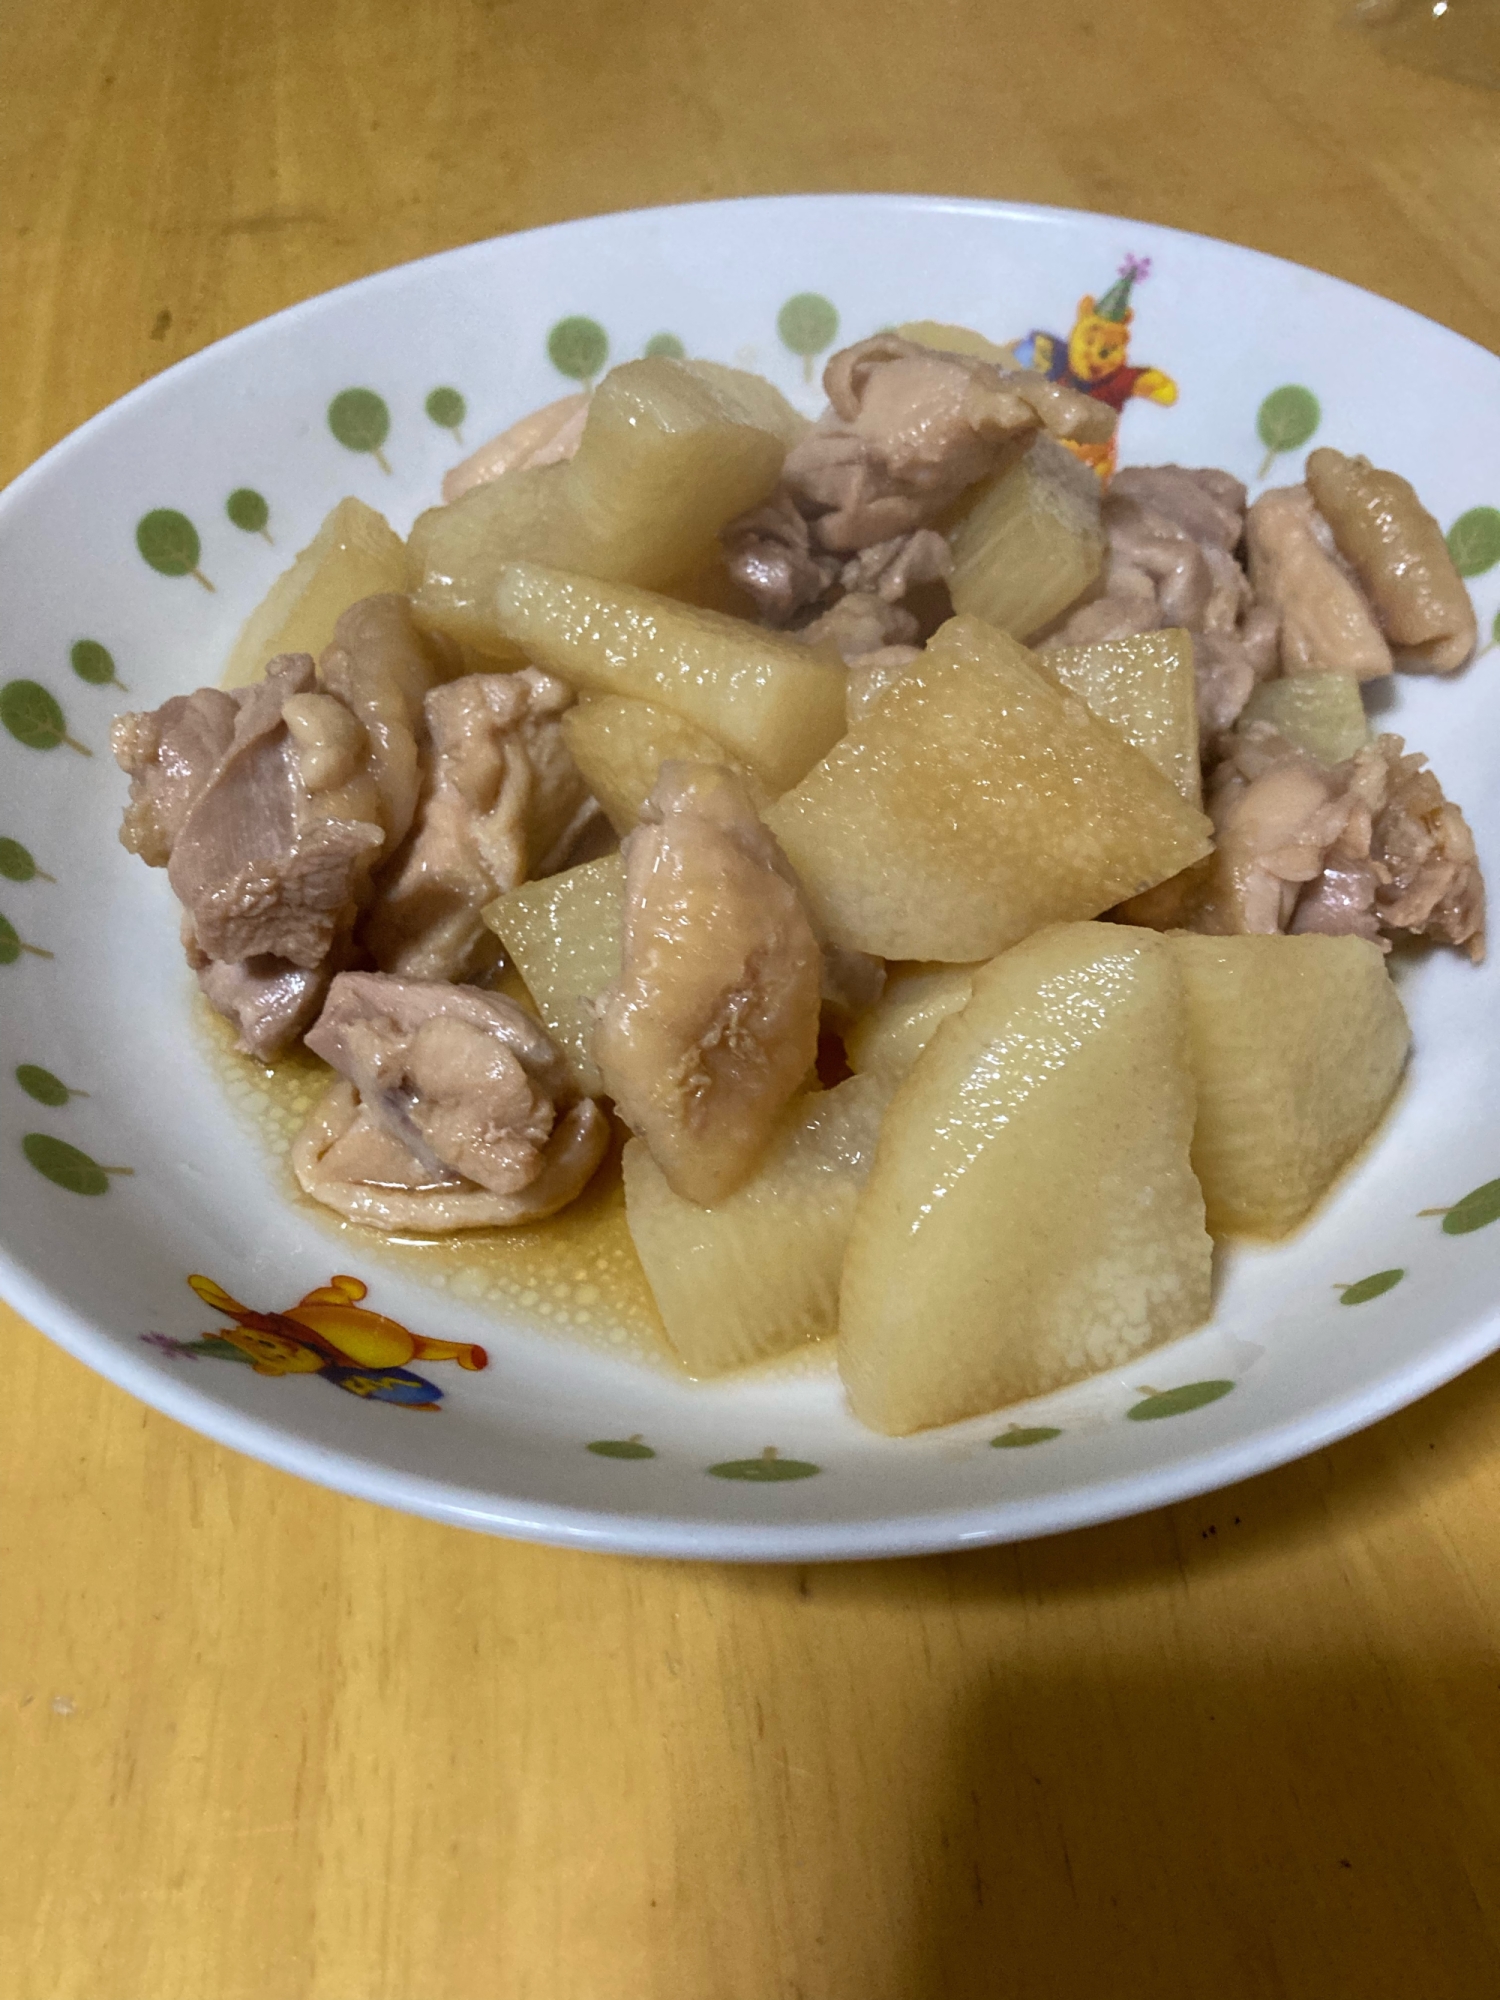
<point>1322,714</point>
<point>356,553</point>
<point>1145,686</point>
<point>620,745</point>
<point>917,1000</point>
<point>1032,1215</point>
<point>1297,1045</point>
<point>671,451</point>
<point>1030,542</point>
<point>564,935</point>
<point>975,803</point>
<point>774,704</point>
<point>758,1272</point>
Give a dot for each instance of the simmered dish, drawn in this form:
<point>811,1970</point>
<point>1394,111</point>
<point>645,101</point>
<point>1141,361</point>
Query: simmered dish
<point>968,886</point>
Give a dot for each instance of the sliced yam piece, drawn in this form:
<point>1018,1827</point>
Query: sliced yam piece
<point>1322,714</point>
<point>1146,688</point>
<point>1297,1044</point>
<point>917,1000</point>
<point>774,705</point>
<point>356,553</point>
<point>758,1273</point>
<point>1030,542</point>
<point>620,745</point>
<point>670,452</point>
<point>976,802</point>
<point>751,399</point>
<point>564,934</point>
<point>1031,1216</point>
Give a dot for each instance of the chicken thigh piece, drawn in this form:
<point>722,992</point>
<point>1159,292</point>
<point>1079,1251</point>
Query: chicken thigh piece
<point>714,1021</point>
<point>456,1092</point>
<point>909,428</point>
<point>1326,625</point>
<point>1398,550</point>
<point>502,802</point>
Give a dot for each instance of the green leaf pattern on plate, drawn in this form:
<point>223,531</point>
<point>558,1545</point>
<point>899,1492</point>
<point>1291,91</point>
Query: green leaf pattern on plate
<point>12,944</point>
<point>578,348</point>
<point>769,1467</point>
<point>65,1166</point>
<point>17,865</point>
<point>1020,1435</point>
<point>95,664</point>
<point>1285,421</point>
<point>666,347</point>
<point>1177,1402</point>
<point>1478,1209</point>
<point>447,409</point>
<point>34,717</point>
<point>43,1085</point>
<point>808,324</point>
<point>1474,541</point>
<point>1370,1288</point>
<point>620,1448</point>
<point>360,421</point>
<point>249,511</point>
<point>169,542</point>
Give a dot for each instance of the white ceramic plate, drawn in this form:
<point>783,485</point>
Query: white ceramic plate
<point>105,1065</point>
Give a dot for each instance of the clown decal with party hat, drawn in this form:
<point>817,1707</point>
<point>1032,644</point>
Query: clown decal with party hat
<point>1093,357</point>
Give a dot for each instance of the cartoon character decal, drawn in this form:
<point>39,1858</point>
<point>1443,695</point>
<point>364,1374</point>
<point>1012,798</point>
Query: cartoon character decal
<point>330,1334</point>
<point>1093,358</point>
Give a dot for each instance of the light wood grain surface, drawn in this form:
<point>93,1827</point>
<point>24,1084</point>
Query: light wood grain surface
<point>262,1743</point>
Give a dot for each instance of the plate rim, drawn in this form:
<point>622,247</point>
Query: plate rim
<point>662,1534</point>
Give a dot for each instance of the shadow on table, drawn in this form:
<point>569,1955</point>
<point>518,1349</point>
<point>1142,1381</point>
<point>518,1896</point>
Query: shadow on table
<point>1246,1748</point>
<point>1266,1831</point>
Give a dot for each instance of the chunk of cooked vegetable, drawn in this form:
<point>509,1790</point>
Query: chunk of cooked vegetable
<point>758,1273</point>
<point>976,802</point>
<point>564,935</point>
<point>1146,687</point>
<point>670,452</point>
<point>1030,543</point>
<point>620,744</point>
<point>1322,714</point>
<point>356,553</point>
<point>1031,1216</point>
<point>889,1037</point>
<point>1297,1046</point>
<point>774,704</point>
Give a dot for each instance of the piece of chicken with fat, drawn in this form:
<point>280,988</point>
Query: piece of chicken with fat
<point>1326,624</point>
<point>455,1091</point>
<point>503,802</point>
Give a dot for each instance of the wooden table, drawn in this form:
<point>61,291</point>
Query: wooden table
<point>262,1743</point>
